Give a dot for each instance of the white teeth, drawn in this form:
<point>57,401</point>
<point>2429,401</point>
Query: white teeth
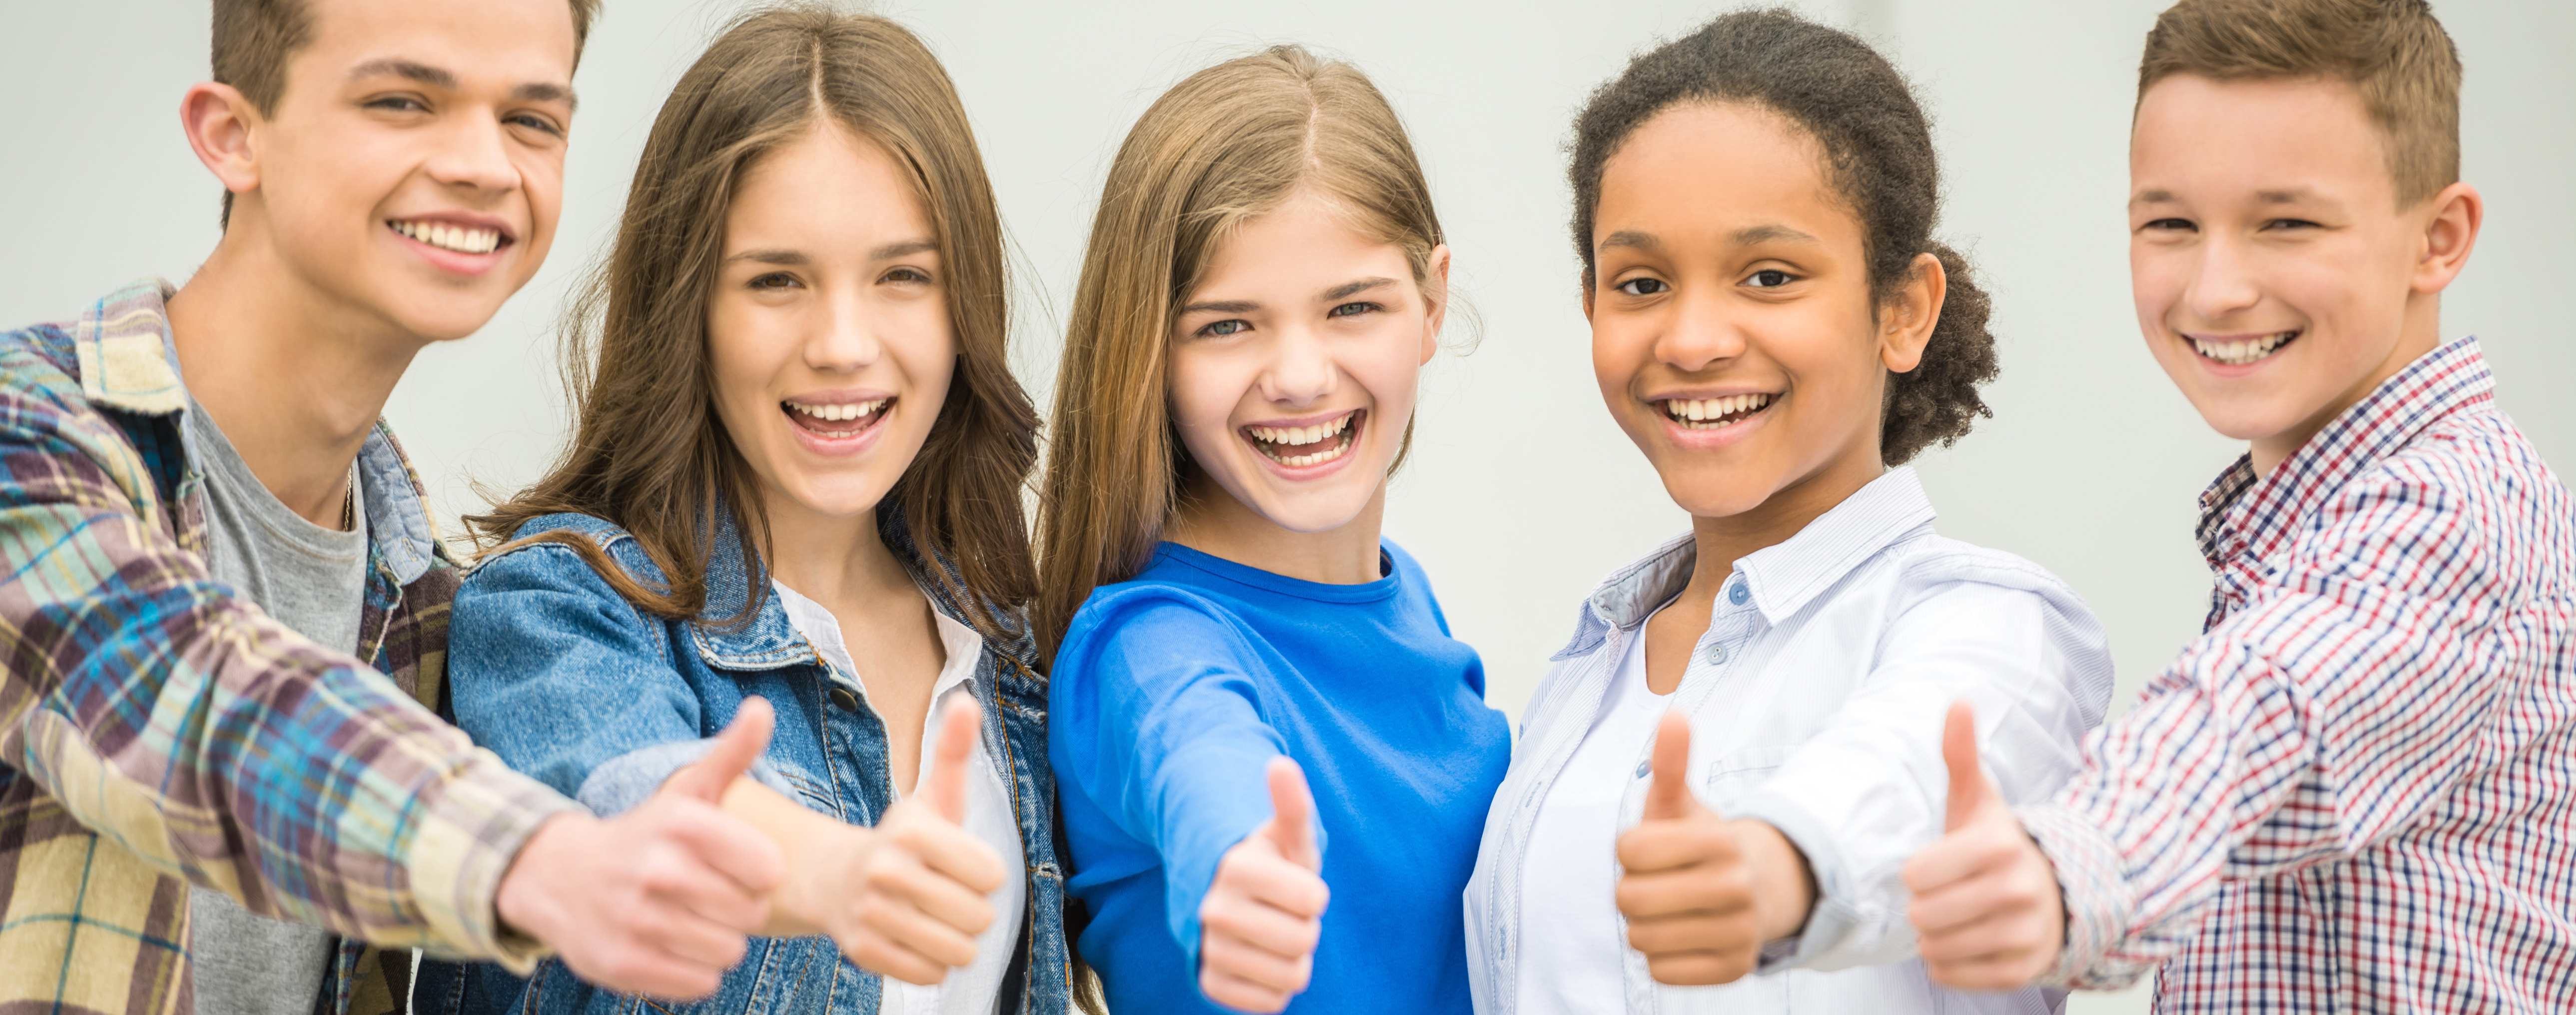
<point>1712,412</point>
<point>1301,435</point>
<point>836,413</point>
<point>2242,352</point>
<point>460,239</point>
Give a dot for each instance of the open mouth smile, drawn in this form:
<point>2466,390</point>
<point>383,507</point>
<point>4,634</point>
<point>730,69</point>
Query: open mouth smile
<point>1714,413</point>
<point>455,238</point>
<point>837,421</point>
<point>1300,447</point>
<point>2238,352</point>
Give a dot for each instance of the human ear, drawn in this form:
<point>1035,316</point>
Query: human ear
<point>1438,297</point>
<point>1905,324</point>
<point>2458,211</point>
<point>218,121</point>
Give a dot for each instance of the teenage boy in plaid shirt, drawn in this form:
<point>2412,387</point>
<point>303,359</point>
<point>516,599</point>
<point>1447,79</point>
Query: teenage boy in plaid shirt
<point>216,557</point>
<point>2352,792</point>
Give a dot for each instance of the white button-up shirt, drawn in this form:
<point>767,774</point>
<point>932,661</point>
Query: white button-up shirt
<point>974,986</point>
<point>1816,700</point>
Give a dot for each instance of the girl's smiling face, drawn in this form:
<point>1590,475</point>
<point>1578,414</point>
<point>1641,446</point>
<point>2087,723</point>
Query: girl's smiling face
<point>1294,361</point>
<point>1733,332</point>
<point>829,326</point>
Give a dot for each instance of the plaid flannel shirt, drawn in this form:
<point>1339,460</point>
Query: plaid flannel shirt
<point>2353,792</point>
<point>157,731</point>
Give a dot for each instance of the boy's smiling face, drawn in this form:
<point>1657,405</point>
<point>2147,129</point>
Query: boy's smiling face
<point>2277,280</point>
<point>413,168</point>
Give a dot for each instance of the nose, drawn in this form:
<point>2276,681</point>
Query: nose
<point>473,154</point>
<point>843,338</point>
<point>1301,369</point>
<point>1698,335</point>
<point>2222,281</point>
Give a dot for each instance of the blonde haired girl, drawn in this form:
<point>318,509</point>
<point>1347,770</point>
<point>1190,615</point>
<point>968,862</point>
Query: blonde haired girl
<point>1264,282</point>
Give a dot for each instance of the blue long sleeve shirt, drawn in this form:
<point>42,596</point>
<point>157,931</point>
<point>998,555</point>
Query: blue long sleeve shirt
<point>1170,695</point>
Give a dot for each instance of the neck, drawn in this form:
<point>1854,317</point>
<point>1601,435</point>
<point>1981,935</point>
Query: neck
<point>1723,540</point>
<point>840,562</point>
<point>1212,522</point>
<point>2421,333</point>
<point>294,377</point>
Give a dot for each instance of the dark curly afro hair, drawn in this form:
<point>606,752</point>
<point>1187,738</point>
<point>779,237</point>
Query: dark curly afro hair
<point>1878,150</point>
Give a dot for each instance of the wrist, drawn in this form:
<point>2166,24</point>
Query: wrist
<point>1784,888</point>
<point>521,906</point>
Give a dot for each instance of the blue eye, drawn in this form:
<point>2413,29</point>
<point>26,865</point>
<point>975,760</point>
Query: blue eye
<point>1643,286</point>
<point>1352,309</point>
<point>1229,326</point>
<point>1770,278</point>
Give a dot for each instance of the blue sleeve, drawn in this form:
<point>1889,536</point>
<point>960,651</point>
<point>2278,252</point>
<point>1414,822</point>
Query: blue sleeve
<point>564,679</point>
<point>1158,720</point>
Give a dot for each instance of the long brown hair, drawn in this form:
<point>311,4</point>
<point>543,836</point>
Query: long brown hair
<point>649,452</point>
<point>1221,147</point>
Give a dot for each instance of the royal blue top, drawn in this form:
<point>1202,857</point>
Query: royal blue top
<point>1170,695</point>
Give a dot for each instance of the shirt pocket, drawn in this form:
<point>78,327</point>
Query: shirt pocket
<point>1727,779</point>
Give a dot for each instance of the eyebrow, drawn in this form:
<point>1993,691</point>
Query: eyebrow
<point>2152,196</point>
<point>2286,196</point>
<point>902,248</point>
<point>1751,235</point>
<point>1631,238</point>
<point>771,256</point>
<point>1221,307</point>
<point>440,77</point>
<point>1354,288</point>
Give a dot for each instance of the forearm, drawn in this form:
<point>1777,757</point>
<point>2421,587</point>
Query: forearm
<point>817,849</point>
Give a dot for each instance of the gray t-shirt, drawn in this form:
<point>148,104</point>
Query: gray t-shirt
<point>311,579</point>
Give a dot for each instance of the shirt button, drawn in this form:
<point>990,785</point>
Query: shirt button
<point>1737,593</point>
<point>842,697</point>
<point>1644,767</point>
<point>1716,654</point>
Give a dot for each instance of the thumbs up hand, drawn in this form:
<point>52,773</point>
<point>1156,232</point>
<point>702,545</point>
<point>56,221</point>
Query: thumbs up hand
<point>657,900</point>
<point>1265,911</point>
<point>907,898</point>
<point>1687,885</point>
<point>1986,902</point>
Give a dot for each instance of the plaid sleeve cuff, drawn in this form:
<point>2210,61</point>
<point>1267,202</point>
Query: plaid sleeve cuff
<point>468,835</point>
<point>2095,891</point>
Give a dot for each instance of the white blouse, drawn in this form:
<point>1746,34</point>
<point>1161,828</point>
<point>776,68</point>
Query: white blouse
<point>973,988</point>
<point>1816,700</point>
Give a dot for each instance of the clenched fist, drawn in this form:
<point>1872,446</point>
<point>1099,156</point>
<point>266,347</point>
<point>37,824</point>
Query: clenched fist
<point>1986,902</point>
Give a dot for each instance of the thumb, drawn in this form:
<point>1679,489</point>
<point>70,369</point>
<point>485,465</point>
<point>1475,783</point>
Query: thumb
<point>742,740</point>
<point>1670,796</point>
<point>946,791</point>
<point>1292,814</point>
<point>1969,791</point>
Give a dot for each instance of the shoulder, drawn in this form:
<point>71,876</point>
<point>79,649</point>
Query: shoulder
<point>1933,561</point>
<point>540,553</point>
<point>1142,617</point>
<point>2468,498</point>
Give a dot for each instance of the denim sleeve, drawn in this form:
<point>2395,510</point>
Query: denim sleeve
<point>625,781</point>
<point>1157,719</point>
<point>564,679</point>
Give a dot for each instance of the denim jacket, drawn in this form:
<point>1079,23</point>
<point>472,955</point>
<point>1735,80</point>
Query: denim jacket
<point>570,683</point>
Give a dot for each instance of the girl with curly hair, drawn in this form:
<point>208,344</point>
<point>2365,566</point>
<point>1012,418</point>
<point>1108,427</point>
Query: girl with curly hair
<point>1727,766</point>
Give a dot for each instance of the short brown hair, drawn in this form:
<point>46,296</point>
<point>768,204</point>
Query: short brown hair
<point>650,454</point>
<point>253,39</point>
<point>2393,51</point>
<point>1225,145</point>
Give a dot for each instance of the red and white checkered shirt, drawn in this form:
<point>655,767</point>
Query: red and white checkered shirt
<point>2357,790</point>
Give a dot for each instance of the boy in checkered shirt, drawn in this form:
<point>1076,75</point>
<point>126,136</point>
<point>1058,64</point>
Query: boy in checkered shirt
<point>2351,793</point>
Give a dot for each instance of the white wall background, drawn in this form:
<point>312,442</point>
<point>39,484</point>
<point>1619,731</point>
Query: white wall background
<point>1521,493</point>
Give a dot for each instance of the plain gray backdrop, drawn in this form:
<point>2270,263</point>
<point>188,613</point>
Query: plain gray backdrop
<point>1520,493</point>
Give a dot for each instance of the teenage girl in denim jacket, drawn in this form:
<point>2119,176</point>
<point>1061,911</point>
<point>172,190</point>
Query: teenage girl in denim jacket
<point>794,489</point>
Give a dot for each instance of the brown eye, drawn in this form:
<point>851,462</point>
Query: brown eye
<point>1770,278</point>
<point>1643,286</point>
